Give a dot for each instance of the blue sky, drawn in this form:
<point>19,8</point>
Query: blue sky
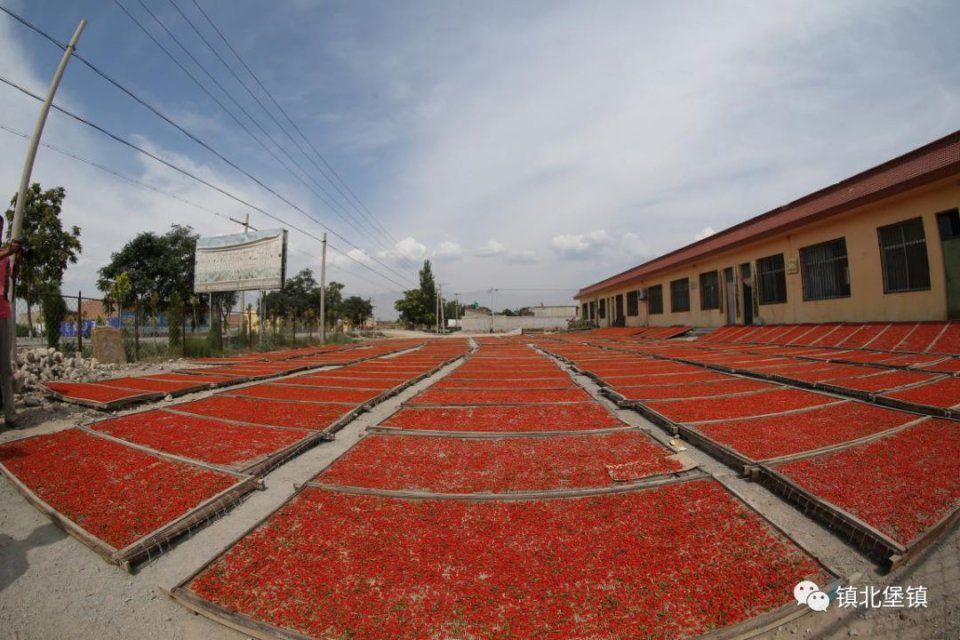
<point>528,146</point>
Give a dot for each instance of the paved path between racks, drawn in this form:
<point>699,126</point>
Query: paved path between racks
<point>52,587</point>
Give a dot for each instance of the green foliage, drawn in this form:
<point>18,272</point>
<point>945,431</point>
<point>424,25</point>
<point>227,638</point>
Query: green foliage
<point>156,267</point>
<point>418,306</point>
<point>214,335</point>
<point>357,309</point>
<point>22,330</point>
<point>54,312</point>
<point>175,317</point>
<point>51,247</point>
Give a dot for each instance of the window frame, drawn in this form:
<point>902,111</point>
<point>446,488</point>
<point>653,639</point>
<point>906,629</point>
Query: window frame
<point>633,303</point>
<point>713,302</point>
<point>658,310</point>
<point>779,274</point>
<point>831,265</point>
<point>903,245</point>
<point>680,284</point>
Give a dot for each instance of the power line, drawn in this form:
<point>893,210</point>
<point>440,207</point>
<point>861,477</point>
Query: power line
<point>188,174</point>
<point>363,207</point>
<point>185,132</point>
<point>139,183</point>
<point>279,126</point>
<point>328,199</point>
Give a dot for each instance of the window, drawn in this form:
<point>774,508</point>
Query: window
<point>655,299</point>
<point>772,279</point>
<point>824,270</point>
<point>949,223</point>
<point>593,310</point>
<point>903,254</point>
<point>602,308</point>
<point>680,295</point>
<point>633,303</point>
<point>710,290</point>
<point>584,313</point>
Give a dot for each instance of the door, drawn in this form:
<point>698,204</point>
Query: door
<point>731,300</point>
<point>747,281</point>
<point>949,224</point>
<point>618,317</point>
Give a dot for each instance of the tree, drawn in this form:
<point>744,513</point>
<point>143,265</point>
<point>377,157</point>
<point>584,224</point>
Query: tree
<point>357,309</point>
<point>54,312</point>
<point>418,306</point>
<point>175,321</point>
<point>333,305</point>
<point>51,247</point>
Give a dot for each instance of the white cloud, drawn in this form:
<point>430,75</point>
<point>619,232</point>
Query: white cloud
<point>496,249</point>
<point>410,248</point>
<point>491,248</point>
<point>448,249</point>
<point>579,245</point>
<point>706,232</point>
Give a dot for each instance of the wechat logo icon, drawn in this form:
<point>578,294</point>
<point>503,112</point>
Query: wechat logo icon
<point>808,593</point>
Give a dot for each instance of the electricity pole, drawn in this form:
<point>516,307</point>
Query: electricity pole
<point>243,294</point>
<point>443,321</point>
<point>16,231</point>
<point>323,291</point>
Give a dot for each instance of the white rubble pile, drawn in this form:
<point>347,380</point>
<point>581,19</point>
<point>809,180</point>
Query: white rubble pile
<point>38,365</point>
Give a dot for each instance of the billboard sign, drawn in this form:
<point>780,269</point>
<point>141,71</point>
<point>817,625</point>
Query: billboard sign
<point>241,261</point>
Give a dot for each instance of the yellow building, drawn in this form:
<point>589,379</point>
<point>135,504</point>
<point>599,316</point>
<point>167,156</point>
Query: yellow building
<point>883,245</point>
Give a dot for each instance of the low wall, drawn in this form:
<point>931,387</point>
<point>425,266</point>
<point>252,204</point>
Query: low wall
<point>503,324</point>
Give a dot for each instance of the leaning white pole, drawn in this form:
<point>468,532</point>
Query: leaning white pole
<point>16,231</point>
<point>323,292</point>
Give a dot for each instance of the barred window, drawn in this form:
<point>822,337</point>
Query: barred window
<point>602,308</point>
<point>903,253</point>
<point>824,270</point>
<point>680,295</point>
<point>633,304</point>
<point>710,290</point>
<point>772,279</point>
<point>655,299</point>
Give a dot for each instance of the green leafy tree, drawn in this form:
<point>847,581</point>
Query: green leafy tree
<point>334,302</point>
<point>357,310</point>
<point>52,247</point>
<point>54,313</point>
<point>418,306</point>
<point>175,321</point>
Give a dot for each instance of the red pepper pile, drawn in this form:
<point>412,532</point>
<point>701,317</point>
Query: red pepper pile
<point>670,562</point>
<point>116,493</point>
<point>204,439</point>
<point>723,407</point>
<point>900,484</point>
<point>775,436</point>
<point>459,465</point>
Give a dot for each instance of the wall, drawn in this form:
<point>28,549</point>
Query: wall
<point>867,301</point>
<point>503,324</point>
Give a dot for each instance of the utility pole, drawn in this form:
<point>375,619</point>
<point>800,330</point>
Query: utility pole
<point>323,291</point>
<point>491,291</point>
<point>16,231</point>
<point>243,294</point>
<point>443,321</point>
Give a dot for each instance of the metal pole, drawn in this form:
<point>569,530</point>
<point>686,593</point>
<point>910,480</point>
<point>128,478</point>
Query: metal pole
<point>263,313</point>
<point>80,323</point>
<point>443,320</point>
<point>243,294</point>
<point>16,231</point>
<point>323,291</point>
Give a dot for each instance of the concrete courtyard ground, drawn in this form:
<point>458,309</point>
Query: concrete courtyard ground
<point>52,586</point>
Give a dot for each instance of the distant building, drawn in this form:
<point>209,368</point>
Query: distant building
<point>541,318</point>
<point>883,245</point>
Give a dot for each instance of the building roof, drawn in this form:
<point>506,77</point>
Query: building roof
<point>934,161</point>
